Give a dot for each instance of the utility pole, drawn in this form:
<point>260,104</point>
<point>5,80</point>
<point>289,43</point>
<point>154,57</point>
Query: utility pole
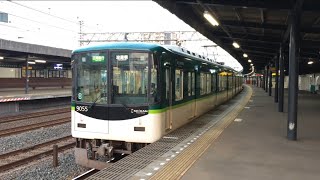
<point>80,33</point>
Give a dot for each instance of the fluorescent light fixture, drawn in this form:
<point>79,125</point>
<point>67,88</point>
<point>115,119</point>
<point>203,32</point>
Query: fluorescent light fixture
<point>245,55</point>
<point>236,45</point>
<point>249,60</point>
<point>310,62</point>
<point>40,61</point>
<point>212,71</point>
<point>1,57</point>
<point>211,19</point>
<point>30,62</point>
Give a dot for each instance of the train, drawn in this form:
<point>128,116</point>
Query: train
<point>126,95</point>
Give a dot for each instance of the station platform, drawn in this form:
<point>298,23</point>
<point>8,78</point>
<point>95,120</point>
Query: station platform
<point>256,147</point>
<point>19,95</point>
<point>245,138</point>
<point>16,101</point>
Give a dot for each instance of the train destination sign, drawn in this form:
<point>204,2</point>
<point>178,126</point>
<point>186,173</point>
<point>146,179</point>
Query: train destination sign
<point>97,58</point>
<point>122,57</point>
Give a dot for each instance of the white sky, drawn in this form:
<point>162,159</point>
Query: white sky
<point>30,26</point>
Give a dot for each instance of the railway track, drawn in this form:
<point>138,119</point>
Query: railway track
<point>16,130</point>
<point>23,156</point>
<point>32,115</point>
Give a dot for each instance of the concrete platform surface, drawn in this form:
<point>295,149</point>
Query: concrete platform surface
<point>255,146</point>
<point>19,95</point>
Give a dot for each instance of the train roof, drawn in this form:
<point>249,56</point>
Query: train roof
<point>150,46</point>
<point>182,51</point>
<point>119,45</point>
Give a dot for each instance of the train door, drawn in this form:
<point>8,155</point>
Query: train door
<point>168,96</point>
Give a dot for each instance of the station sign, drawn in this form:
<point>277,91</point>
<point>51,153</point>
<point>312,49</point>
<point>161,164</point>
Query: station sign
<point>24,68</point>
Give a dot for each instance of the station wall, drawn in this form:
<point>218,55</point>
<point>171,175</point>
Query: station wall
<point>304,82</point>
<point>44,73</point>
<point>10,72</point>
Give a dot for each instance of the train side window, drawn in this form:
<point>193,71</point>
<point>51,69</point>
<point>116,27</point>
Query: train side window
<point>208,83</point>
<point>214,81</point>
<point>179,84</point>
<point>193,82</point>
<point>189,83</point>
<point>167,82</point>
<point>154,80</point>
<point>203,83</point>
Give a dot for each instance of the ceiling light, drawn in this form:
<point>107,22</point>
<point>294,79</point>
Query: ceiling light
<point>211,19</point>
<point>30,62</point>
<point>251,64</point>
<point>245,55</point>
<point>310,62</point>
<point>236,45</point>
<point>40,61</point>
<point>249,60</point>
<point>1,57</point>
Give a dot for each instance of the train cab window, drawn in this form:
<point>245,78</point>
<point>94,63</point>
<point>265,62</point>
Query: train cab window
<point>91,77</point>
<point>179,84</point>
<point>130,77</point>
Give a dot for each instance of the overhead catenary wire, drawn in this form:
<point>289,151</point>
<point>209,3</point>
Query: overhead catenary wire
<point>42,12</point>
<point>71,21</point>
<point>42,23</point>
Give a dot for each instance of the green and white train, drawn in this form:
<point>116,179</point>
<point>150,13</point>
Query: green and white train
<point>127,95</point>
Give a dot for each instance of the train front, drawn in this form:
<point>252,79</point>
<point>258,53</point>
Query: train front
<point>112,93</point>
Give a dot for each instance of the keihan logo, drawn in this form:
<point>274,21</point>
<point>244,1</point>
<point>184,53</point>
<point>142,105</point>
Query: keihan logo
<point>139,111</point>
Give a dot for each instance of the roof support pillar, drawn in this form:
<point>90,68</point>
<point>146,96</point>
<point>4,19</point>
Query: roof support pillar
<point>267,78</point>
<point>281,80</point>
<point>26,89</point>
<point>276,81</point>
<point>270,81</point>
<point>264,79</point>
<point>293,78</point>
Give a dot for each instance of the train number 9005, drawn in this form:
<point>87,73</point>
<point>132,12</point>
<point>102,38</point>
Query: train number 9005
<point>82,108</point>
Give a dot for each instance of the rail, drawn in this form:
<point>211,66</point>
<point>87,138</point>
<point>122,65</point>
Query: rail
<point>17,130</point>
<point>19,117</point>
<point>23,156</point>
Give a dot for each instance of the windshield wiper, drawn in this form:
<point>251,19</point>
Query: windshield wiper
<point>94,102</point>
<point>124,105</point>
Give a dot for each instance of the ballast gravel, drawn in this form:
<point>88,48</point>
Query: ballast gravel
<point>44,170</point>
<point>41,169</point>
<point>34,137</point>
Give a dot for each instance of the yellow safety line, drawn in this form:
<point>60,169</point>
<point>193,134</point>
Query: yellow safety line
<point>176,168</point>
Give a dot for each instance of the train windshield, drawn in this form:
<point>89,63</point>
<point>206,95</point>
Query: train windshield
<point>130,77</point>
<point>91,82</point>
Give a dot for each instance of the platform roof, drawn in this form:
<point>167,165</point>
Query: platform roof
<point>258,26</point>
<point>15,53</point>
